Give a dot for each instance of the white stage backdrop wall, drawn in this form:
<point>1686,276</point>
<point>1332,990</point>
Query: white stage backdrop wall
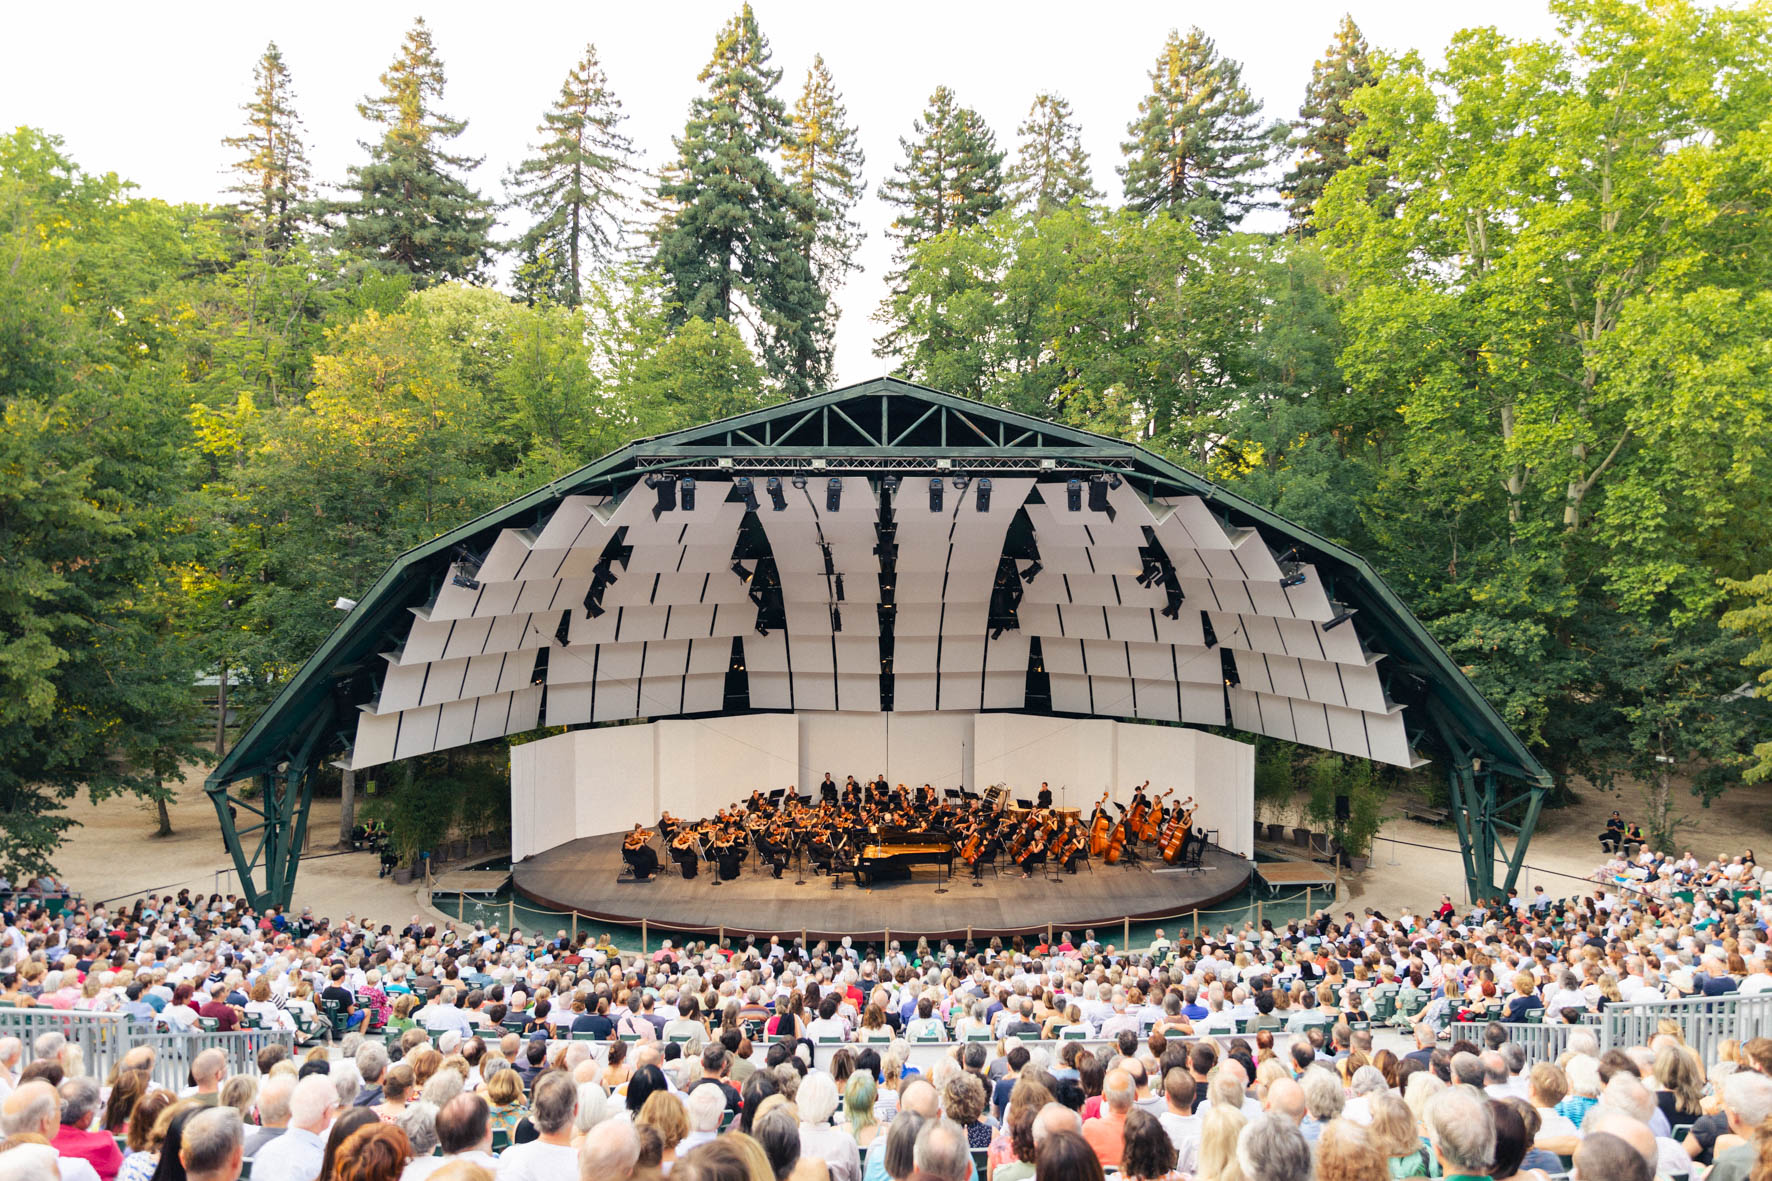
<point>590,782</point>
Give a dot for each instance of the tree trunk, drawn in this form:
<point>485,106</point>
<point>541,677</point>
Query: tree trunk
<point>165,829</point>
<point>221,713</point>
<point>347,808</point>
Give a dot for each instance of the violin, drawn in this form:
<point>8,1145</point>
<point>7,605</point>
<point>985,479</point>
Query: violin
<point>1099,828</point>
<point>636,839</point>
<point>1153,819</point>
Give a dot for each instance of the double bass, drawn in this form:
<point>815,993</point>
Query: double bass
<point>1099,828</point>
<point>1140,808</point>
<point>1153,819</point>
<point>1180,825</point>
<point>1116,846</point>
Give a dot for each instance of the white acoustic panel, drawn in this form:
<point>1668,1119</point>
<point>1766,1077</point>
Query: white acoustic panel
<point>1008,653</point>
<point>517,672</point>
<point>770,690</point>
<point>506,556</point>
<point>1005,690</point>
<point>616,700</point>
<point>1202,705</point>
<point>1185,628</point>
<point>704,694</point>
<point>914,692</point>
<point>960,690</point>
<point>1152,661</point>
<point>1286,675</point>
<point>1312,723</point>
<point>815,690</point>
<point>1275,717</point>
<point>1070,694</point>
<point>375,739</point>
<point>690,621</point>
<point>482,675</point>
<point>1347,731</point>
<point>1113,695</point>
<point>858,692</point>
<point>525,710</point>
<point>1363,687</point>
<point>499,598</point>
<point>1085,623</point>
<point>444,680</point>
<point>455,724</point>
<point>1105,658</point>
<point>1387,738</point>
<point>570,705</point>
<point>401,687</point>
<point>858,655</point>
<point>418,732</point>
<point>1252,671</point>
<point>1323,682</point>
<point>1039,619</point>
<point>710,656</point>
<point>1063,656</point>
<point>426,640</point>
<point>1300,639</point>
<point>1157,699</point>
<point>1203,666</point>
<point>1268,598</point>
<point>962,653</point>
<point>661,695</point>
<point>766,654</point>
<point>1245,710</point>
<point>452,602</point>
<point>915,654</point>
<point>808,655</point>
<point>580,521</point>
<point>1308,599</point>
<point>1131,623</point>
<point>492,717</point>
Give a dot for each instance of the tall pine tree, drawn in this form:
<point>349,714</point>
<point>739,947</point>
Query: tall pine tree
<point>271,186</point>
<point>572,185</point>
<point>731,243</point>
<point>1198,142</point>
<point>414,213</point>
<point>951,179</point>
<point>1325,124</point>
<point>823,163</point>
<point>1051,168</point>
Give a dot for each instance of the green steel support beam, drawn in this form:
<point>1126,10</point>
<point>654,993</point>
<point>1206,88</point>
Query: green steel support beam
<point>284,798</point>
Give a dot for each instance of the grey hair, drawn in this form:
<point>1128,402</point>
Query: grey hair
<point>419,1122</point>
<point>80,1098</point>
<point>1323,1096</point>
<point>29,1117</point>
<point>372,1061</point>
<point>609,1150</point>
<point>1748,1094</point>
<point>345,1078</point>
<point>210,1139</point>
<point>1271,1148</point>
<point>1462,1127</point>
<point>707,1106</point>
<point>901,1143</point>
<point>1369,1080</point>
<point>273,1099</point>
<point>593,1106</point>
<point>48,1045</point>
<point>554,1102</point>
<point>943,1151</point>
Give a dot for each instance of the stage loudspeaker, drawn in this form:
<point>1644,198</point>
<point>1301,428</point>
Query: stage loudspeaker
<point>1342,811</point>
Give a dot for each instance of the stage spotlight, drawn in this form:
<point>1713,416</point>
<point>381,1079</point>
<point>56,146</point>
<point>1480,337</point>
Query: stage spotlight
<point>743,574</point>
<point>935,494</point>
<point>1073,495</point>
<point>997,633</point>
<point>595,608</point>
<point>836,619</point>
<point>1342,615</point>
<point>667,494</point>
<point>465,580</point>
<point>777,498</point>
<point>761,630</point>
<point>984,494</point>
<point>746,492</point>
<point>890,483</point>
<point>1114,480</point>
<point>1033,570</point>
<point>839,588</point>
<point>799,481</point>
<point>1294,577</point>
<point>1172,611</point>
<point>833,494</point>
<point>688,494</point>
<point>602,571</point>
<point>1098,494</point>
<point>960,483</point>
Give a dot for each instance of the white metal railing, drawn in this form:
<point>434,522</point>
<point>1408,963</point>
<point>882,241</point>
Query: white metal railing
<point>104,1038</point>
<point>1704,1022</point>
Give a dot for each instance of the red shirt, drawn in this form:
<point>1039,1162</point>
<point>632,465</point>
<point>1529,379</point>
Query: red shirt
<point>96,1148</point>
<point>221,1012</point>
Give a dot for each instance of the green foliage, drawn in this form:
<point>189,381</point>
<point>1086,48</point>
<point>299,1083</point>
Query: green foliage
<point>951,179</point>
<point>572,186</point>
<point>272,187</point>
<point>1051,168</point>
<point>1323,133</point>
<point>735,240</point>
<point>1754,620</point>
<point>412,212</point>
<point>822,162</point>
<point>1198,144</point>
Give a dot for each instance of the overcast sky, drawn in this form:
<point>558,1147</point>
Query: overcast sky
<point>149,90</point>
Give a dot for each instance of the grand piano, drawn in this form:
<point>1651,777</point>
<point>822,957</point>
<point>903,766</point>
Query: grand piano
<point>891,852</point>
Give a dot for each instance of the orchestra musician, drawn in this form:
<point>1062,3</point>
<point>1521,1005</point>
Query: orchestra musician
<point>686,852</point>
<point>772,843</point>
<point>1044,798</point>
<point>827,791</point>
<point>637,851</point>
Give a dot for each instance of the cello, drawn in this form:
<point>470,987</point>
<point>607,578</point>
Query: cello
<point>1175,837</point>
<point>1099,828</point>
<point>1153,819</point>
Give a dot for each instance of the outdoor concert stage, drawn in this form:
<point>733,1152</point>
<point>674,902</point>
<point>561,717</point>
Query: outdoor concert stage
<point>583,875</point>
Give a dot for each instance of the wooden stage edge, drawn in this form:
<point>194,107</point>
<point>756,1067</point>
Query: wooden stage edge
<point>581,876</point>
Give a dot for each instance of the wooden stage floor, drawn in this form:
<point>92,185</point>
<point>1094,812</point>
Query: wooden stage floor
<point>581,875</point>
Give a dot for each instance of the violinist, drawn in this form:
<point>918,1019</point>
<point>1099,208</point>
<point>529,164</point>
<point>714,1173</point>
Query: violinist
<point>1074,848</point>
<point>729,854</point>
<point>636,850</point>
<point>685,852</point>
<point>851,793</point>
<point>772,843</point>
<point>822,850</point>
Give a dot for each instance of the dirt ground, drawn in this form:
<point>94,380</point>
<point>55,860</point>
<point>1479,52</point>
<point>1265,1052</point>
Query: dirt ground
<point>114,853</point>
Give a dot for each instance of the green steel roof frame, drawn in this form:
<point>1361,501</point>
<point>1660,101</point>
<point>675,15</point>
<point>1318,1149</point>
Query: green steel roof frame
<point>306,722</point>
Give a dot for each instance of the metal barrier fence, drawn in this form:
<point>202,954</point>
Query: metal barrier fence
<point>103,1039</point>
<point>1542,1043</point>
<point>1704,1022</point>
